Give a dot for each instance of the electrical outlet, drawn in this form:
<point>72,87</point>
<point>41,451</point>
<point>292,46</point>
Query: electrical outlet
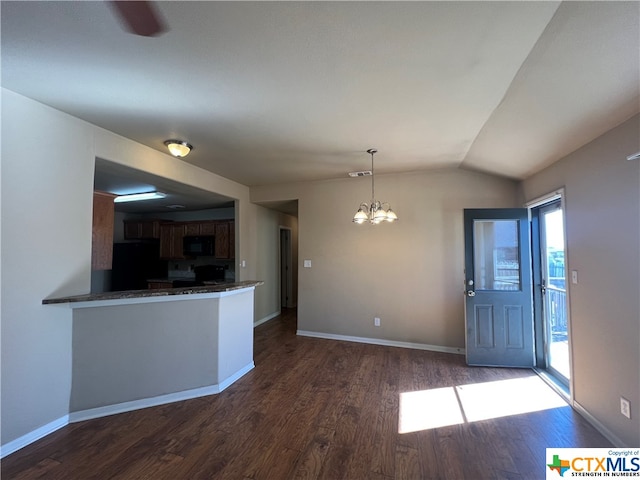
<point>625,407</point>
<point>376,321</point>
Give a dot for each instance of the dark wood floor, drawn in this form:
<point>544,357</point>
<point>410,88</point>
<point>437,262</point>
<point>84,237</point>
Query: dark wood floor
<point>311,408</point>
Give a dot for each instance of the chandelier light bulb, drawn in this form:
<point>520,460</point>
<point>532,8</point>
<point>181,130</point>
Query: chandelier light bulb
<point>391,216</point>
<point>360,216</point>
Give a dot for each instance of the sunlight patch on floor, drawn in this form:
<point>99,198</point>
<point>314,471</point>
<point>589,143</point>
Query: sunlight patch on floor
<point>442,410</point>
<point>503,398</point>
<point>441,407</point>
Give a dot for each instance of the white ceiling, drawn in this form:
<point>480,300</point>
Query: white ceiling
<point>276,92</point>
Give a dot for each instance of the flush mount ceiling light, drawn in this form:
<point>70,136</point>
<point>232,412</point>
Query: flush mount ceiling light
<point>136,197</point>
<point>374,212</point>
<point>178,148</point>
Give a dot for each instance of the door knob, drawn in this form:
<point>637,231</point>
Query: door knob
<point>471,293</point>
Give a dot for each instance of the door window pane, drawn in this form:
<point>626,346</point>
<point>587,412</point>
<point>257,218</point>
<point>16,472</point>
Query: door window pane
<point>496,255</point>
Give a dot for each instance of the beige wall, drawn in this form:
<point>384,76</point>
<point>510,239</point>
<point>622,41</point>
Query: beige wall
<point>410,274</point>
<point>47,191</point>
<point>123,353</point>
<point>46,251</point>
<point>603,244</point>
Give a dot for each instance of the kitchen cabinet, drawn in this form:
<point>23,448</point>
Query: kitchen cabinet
<point>192,229</point>
<point>102,231</point>
<point>171,235</point>
<point>222,240</point>
<point>200,228</point>
<point>141,229</point>
<point>232,240</point>
<point>207,228</point>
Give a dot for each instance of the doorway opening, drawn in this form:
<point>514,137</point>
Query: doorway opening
<point>286,269</point>
<point>515,266</point>
<point>550,292</point>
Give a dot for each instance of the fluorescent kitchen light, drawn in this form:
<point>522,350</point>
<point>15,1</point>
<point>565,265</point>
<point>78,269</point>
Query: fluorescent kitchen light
<point>135,197</point>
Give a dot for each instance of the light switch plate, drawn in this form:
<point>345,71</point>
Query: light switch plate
<point>307,264</point>
<point>574,277</point>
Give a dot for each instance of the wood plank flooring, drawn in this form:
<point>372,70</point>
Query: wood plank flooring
<point>311,409</point>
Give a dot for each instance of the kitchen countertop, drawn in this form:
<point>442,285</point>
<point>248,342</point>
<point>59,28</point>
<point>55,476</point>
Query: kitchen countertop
<point>188,279</point>
<point>160,292</point>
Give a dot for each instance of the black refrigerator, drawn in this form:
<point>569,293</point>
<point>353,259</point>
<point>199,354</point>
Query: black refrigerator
<point>134,263</point>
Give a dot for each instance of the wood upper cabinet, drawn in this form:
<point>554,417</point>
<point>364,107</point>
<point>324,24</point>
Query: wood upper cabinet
<point>192,229</point>
<point>166,244</point>
<point>102,231</point>
<point>232,240</point>
<point>200,228</point>
<point>222,240</point>
<point>141,229</point>
<point>171,235</point>
<point>207,228</point>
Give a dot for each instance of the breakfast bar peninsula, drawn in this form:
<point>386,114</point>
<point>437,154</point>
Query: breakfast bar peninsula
<point>140,348</point>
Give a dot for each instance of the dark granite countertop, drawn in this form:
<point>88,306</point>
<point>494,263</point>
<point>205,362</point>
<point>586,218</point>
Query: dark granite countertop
<point>160,292</point>
<point>189,279</point>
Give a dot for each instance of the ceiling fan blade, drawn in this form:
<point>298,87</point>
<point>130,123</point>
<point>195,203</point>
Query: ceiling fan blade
<point>139,17</point>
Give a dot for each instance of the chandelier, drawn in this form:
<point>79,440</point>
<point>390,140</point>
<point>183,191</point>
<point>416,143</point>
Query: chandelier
<point>375,211</point>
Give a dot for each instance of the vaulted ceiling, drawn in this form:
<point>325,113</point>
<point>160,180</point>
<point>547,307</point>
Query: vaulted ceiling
<point>276,92</point>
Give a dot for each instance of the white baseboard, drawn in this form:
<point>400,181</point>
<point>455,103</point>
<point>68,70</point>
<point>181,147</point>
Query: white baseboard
<point>107,410</point>
<point>608,434</point>
<point>35,435</point>
<point>379,341</point>
<point>266,319</point>
<point>236,376</point>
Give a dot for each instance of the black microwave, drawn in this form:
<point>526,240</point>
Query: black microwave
<point>198,246</point>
